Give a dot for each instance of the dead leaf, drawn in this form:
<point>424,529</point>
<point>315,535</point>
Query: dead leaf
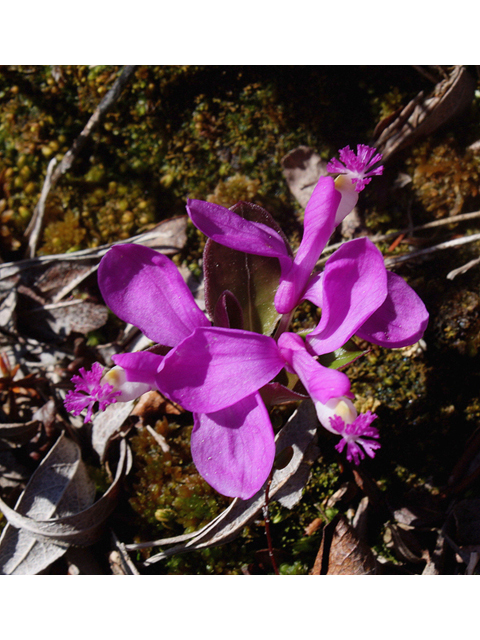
<point>404,543</point>
<point>302,168</point>
<point>108,424</point>
<point>36,543</point>
<point>424,115</point>
<point>59,485</point>
<point>342,553</point>
<point>19,431</point>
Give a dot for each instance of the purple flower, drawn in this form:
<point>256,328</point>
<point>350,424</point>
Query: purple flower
<point>89,389</point>
<point>356,294</point>
<point>219,372</point>
<point>330,392</point>
<point>340,417</point>
<point>330,202</point>
<point>214,372</point>
<point>359,168</point>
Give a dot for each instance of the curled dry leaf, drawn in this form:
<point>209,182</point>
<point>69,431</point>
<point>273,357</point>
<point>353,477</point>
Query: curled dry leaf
<point>299,434</point>
<point>59,484</point>
<point>342,552</point>
<point>424,115</point>
<point>55,512</point>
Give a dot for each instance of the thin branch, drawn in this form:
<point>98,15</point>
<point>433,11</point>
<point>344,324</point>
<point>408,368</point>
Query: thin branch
<point>428,225</point>
<point>105,105</point>
<point>34,228</point>
<point>266,518</point>
<point>463,269</point>
<point>438,247</point>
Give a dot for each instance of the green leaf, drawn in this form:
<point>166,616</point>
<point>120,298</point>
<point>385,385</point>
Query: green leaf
<point>253,280</point>
<point>341,357</point>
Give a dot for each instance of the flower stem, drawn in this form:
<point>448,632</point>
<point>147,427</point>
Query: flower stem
<point>283,324</point>
<point>267,527</point>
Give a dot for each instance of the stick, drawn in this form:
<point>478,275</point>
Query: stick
<point>428,225</point>
<point>34,228</point>
<point>443,245</point>
<point>266,517</point>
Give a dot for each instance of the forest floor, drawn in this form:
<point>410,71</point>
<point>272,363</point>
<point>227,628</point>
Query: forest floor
<point>122,496</point>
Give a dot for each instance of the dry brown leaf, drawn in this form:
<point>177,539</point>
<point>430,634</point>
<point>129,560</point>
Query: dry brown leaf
<point>59,485</point>
<point>424,115</point>
<point>40,541</point>
<point>342,553</point>
<point>108,424</point>
<point>302,168</point>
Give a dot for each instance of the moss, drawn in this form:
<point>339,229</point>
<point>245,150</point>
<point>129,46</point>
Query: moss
<point>63,235</point>
<point>234,189</point>
<point>168,492</point>
<point>445,176</point>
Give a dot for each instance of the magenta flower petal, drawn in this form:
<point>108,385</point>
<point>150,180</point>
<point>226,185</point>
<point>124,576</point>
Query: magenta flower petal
<point>319,223</point>
<point>321,383</point>
<point>354,286</point>
<point>231,230</point>
<point>356,436</point>
<point>89,390</point>
<point>139,366</point>
<point>215,367</point>
<point>400,321</point>
<point>234,449</point>
<point>145,288</point>
<point>359,168</point>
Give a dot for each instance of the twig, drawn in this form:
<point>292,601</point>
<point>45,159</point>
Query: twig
<point>428,225</point>
<point>463,269</point>
<point>105,105</point>
<point>271,555</point>
<point>443,245</point>
<point>160,440</point>
<point>34,228</point>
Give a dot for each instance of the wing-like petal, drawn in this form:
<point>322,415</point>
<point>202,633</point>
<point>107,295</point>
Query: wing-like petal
<point>319,223</point>
<point>139,366</point>
<point>145,288</point>
<point>234,449</point>
<point>231,230</point>
<point>321,383</point>
<point>354,287</point>
<point>400,321</point>
<point>216,367</point>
